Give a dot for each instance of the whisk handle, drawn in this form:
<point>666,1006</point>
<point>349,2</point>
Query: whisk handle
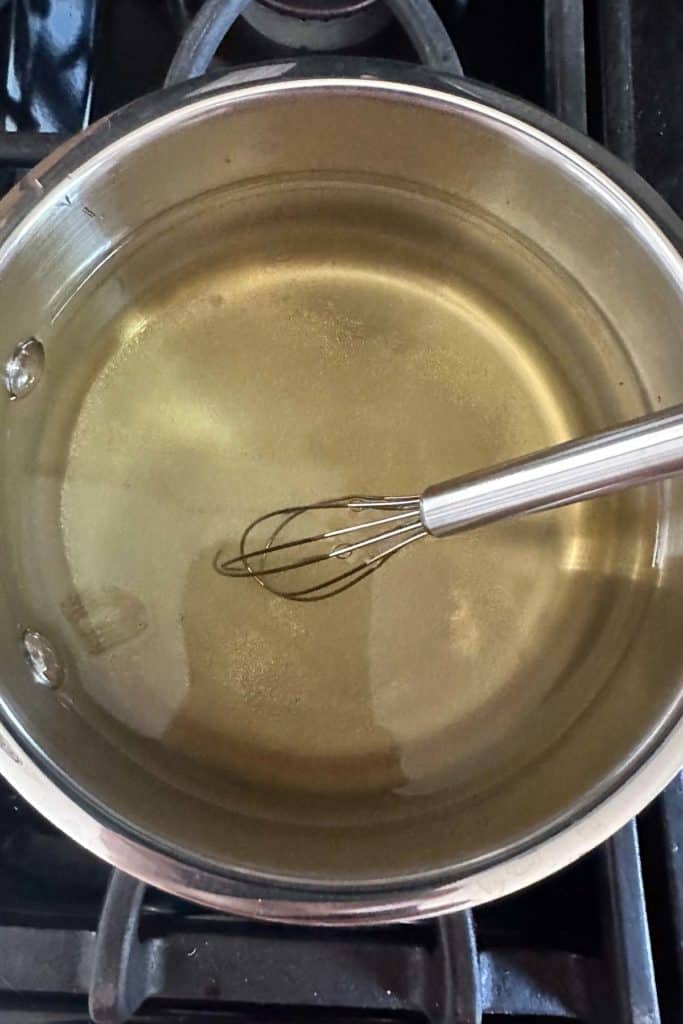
<point>639,452</point>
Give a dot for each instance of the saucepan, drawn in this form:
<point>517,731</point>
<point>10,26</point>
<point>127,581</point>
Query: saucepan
<point>289,282</point>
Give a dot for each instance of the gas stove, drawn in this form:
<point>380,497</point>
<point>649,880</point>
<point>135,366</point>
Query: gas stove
<point>602,941</point>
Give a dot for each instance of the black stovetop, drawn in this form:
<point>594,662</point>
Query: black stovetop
<point>601,942</point>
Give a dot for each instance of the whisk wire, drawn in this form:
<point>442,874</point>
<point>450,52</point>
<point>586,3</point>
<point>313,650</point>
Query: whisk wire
<point>354,575</point>
<point>404,513</point>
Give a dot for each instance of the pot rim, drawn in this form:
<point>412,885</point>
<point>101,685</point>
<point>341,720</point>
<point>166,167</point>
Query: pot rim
<point>603,810</point>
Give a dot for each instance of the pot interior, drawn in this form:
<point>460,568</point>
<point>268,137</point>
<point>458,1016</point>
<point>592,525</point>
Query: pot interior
<point>242,309</point>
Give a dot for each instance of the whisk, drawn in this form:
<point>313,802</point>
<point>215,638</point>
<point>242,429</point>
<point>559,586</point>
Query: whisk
<point>351,537</point>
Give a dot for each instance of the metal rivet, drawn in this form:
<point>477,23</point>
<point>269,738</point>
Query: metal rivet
<point>42,659</point>
<point>24,368</point>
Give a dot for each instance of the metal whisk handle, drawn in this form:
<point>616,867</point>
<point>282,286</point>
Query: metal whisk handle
<point>639,452</point>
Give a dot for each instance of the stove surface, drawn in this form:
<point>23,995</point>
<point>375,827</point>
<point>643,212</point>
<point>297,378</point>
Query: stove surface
<point>601,942</point>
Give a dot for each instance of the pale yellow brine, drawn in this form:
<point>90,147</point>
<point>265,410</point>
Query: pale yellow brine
<point>312,344</point>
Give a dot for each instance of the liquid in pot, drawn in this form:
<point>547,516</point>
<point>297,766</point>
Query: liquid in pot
<point>288,344</point>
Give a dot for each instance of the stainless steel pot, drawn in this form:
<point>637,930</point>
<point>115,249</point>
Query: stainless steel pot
<point>549,191</point>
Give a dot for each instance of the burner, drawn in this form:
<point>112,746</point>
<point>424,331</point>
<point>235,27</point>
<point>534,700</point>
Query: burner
<point>318,25</point>
<point>313,25</point>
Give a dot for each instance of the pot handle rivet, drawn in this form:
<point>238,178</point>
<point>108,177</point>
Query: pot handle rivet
<point>42,659</point>
<point>24,368</point>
